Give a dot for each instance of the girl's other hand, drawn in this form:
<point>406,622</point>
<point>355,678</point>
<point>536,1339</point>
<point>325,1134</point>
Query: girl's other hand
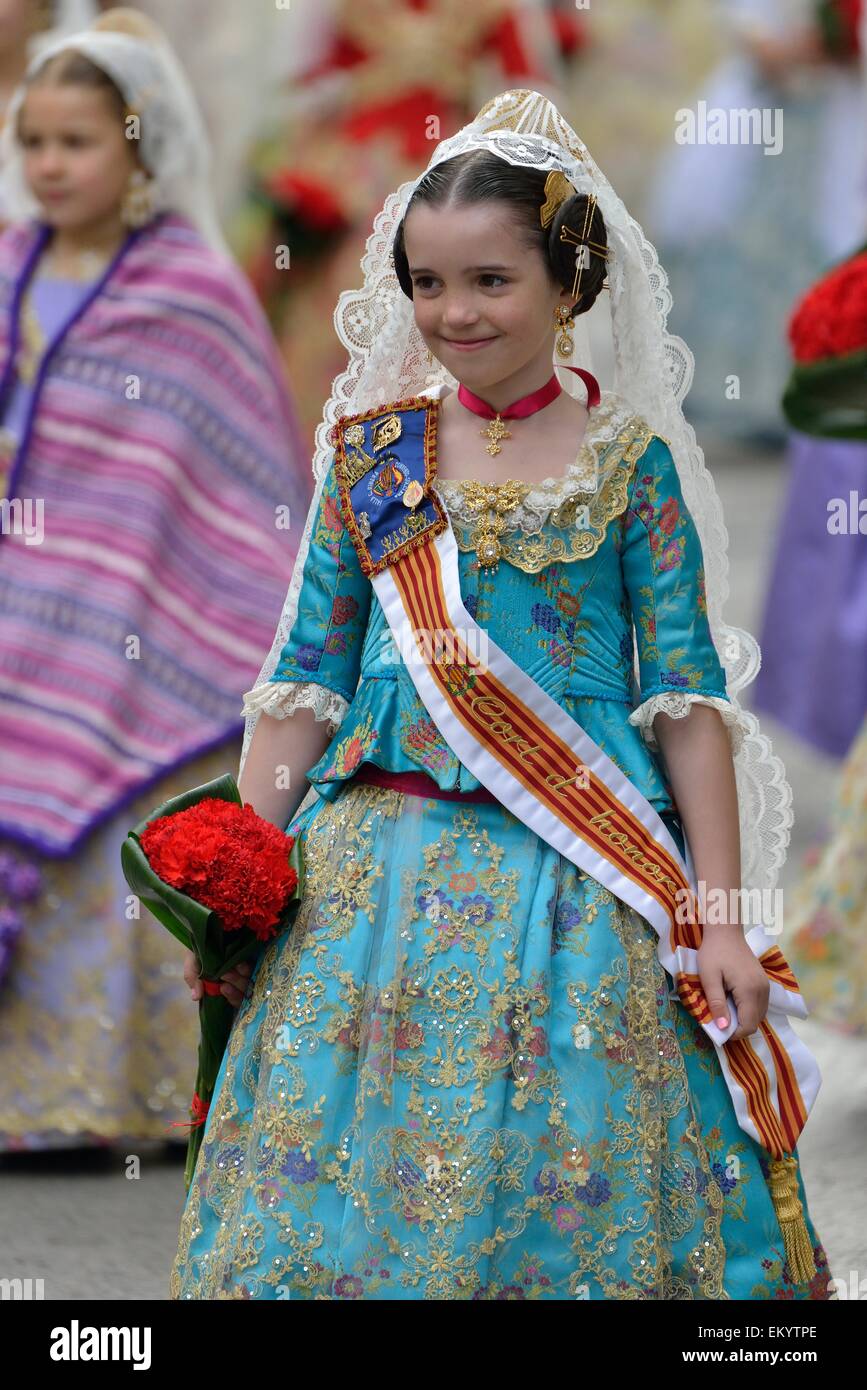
<point>234,982</point>
<point>727,965</point>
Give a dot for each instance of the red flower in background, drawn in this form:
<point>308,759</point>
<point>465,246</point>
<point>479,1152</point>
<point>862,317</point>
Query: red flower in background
<point>229,859</point>
<point>831,318</point>
<point>840,26</point>
<point>308,199</point>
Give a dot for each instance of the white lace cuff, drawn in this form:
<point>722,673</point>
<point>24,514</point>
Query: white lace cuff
<point>281,698</point>
<point>678,703</point>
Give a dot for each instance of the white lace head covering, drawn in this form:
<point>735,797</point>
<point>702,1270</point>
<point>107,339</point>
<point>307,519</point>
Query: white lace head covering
<point>174,145</point>
<point>652,373</point>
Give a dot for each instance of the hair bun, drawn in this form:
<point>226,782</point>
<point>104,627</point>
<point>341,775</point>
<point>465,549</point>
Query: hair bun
<point>563,252</point>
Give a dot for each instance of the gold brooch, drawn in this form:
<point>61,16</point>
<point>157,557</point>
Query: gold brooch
<point>495,499</point>
<point>387,431</point>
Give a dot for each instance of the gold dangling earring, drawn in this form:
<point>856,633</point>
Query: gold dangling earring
<point>563,324</point>
<point>138,204</point>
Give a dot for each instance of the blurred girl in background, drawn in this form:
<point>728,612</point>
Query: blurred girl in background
<point>154,493</point>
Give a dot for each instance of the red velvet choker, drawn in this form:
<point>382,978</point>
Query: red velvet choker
<point>526,405</point>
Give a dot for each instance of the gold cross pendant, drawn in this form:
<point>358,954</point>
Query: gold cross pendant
<point>495,431</point>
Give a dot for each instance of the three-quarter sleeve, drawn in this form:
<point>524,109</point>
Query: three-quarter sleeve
<point>663,572</point>
<point>320,663</point>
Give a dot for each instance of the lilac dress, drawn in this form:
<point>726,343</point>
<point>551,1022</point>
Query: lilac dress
<point>54,301</point>
<point>813,677</point>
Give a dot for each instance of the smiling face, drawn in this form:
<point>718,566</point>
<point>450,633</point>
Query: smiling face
<point>77,159</point>
<point>483,299</point>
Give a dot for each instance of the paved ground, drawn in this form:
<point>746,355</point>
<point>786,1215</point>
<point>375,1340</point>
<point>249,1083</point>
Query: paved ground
<point>91,1233</point>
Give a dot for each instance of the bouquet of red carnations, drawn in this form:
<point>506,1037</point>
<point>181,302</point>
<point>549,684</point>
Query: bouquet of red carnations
<point>223,881</point>
<point>826,394</point>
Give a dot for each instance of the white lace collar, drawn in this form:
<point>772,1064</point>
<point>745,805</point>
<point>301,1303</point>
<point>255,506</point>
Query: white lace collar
<point>606,421</point>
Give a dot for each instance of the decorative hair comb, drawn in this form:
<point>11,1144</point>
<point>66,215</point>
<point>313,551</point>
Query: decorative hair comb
<point>557,190</point>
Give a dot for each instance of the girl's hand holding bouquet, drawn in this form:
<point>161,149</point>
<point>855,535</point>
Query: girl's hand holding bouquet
<point>224,881</point>
<point>234,981</point>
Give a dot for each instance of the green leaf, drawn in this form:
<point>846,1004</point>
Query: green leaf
<point>223,788</point>
<point>296,859</point>
<point>827,397</point>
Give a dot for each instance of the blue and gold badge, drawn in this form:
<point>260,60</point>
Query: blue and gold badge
<point>385,460</point>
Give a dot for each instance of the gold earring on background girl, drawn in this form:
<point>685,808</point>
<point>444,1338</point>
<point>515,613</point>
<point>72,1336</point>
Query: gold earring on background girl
<point>139,204</point>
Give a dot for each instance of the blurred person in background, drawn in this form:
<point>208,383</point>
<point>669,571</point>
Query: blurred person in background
<point>153,491</point>
<point>742,231</point>
<point>817,601</point>
<point>826,919</point>
<point>642,59</point>
<point>814,630</point>
<point>373,85</point>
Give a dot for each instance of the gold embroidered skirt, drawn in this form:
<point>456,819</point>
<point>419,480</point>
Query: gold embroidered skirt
<point>462,1075</point>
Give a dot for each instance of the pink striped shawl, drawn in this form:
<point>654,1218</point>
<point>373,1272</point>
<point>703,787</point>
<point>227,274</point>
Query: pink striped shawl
<point>129,634</point>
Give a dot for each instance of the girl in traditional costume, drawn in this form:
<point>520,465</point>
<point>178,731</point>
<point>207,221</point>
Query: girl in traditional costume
<point>150,478</point>
<point>488,1061</point>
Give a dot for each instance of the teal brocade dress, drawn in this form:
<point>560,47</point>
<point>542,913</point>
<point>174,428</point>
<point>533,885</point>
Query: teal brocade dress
<point>463,1073</point>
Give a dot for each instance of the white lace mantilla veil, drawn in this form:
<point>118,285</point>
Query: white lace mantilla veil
<point>652,374</point>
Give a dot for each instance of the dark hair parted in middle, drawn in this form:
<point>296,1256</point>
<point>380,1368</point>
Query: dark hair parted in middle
<point>480,176</point>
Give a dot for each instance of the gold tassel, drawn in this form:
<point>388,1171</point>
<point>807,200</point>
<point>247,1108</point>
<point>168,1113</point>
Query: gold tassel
<point>787,1204</point>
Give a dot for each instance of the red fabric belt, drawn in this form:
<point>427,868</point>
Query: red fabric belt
<point>416,784</point>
